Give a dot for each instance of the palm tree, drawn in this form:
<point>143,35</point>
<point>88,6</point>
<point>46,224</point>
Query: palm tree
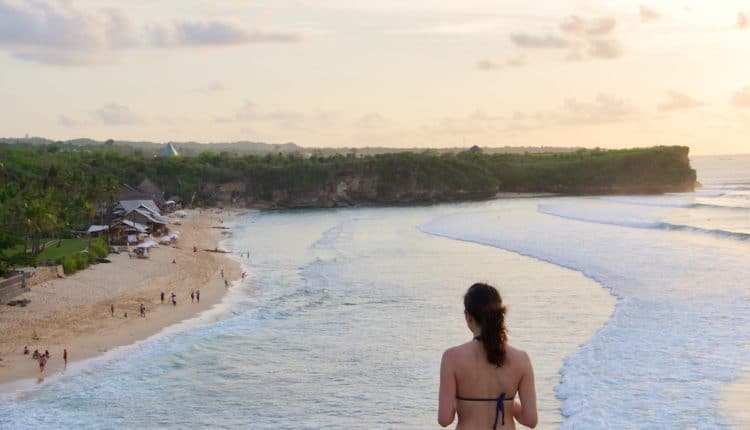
<point>40,219</point>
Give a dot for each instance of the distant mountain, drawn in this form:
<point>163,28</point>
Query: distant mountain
<point>487,150</point>
<point>259,148</point>
<point>153,148</point>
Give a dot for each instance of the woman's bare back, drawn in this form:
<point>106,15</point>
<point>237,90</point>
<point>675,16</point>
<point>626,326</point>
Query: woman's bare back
<point>476,378</point>
<point>480,380</point>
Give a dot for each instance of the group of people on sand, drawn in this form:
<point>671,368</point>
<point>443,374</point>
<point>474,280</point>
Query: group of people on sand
<point>195,296</point>
<point>42,358</point>
<point>141,310</point>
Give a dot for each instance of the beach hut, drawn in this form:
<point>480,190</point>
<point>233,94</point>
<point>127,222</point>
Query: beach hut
<point>125,232</point>
<point>143,212</point>
<point>124,207</point>
<point>156,224</point>
<point>97,230</point>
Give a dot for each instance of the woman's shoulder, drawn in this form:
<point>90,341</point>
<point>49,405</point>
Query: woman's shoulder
<point>517,355</point>
<point>457,351</point>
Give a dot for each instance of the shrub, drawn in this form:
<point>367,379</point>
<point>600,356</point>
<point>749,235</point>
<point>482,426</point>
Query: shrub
<point>98,249</point>
<point>81,261</point>
<point>68,264</point>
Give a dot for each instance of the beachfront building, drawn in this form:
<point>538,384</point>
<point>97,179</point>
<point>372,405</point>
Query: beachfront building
<point>157,225</point>
<point>126,232</point>
<point>143,212</point>
<point>97,230</point>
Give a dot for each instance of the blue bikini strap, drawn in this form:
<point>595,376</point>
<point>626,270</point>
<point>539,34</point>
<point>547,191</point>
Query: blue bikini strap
<point>499,407</point>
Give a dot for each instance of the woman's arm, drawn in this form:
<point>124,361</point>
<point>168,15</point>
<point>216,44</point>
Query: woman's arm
<point>525,412</point>
<point>447,397</point>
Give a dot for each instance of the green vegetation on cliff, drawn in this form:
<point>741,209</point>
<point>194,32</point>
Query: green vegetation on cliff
<point>49,190</point>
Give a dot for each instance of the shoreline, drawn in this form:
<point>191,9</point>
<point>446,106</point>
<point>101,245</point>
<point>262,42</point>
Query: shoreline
<point>74,312</point>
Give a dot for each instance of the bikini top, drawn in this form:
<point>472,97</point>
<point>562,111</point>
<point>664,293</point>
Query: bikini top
<point>500,405</point>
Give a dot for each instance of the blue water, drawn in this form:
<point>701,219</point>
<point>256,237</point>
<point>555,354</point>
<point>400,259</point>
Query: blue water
<point>346,313</point>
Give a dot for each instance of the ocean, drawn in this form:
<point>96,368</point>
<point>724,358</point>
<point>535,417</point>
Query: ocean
<point>635,311</point>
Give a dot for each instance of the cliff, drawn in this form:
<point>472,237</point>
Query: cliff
<point>69,177</point>
<point>427,178</point>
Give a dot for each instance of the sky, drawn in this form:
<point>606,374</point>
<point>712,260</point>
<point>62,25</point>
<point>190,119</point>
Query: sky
<point>397,73</point>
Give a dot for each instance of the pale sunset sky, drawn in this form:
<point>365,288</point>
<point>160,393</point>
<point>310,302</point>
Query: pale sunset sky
<point>396,73</point>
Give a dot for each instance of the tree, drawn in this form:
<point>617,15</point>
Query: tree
<point>40,219</point>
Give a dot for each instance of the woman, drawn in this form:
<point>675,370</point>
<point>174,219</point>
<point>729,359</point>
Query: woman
<point>479,380</point>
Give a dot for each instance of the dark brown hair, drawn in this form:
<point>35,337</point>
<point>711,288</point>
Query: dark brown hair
<point>485,305</point>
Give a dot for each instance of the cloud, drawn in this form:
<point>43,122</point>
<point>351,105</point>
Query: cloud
<point>548,41</point>
<point>213,87</point>
<point>679,101</point>
<point>57,32</point>
<point>576,26</point>
<point>371,120</point>
<point>114,114</point>
<point>251,112</point>
<point>606,49</point>
<point>648,14</point>
<point>741,99</point>
<point>584,39</point>
<point>475,123</point>
<point>66,121</point>
<point>743,20</point>
<point>213,33</point>
<point>488,65</point>
<point>603,109</point>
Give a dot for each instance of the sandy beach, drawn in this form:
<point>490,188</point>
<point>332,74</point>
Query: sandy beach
<point>74,312</point>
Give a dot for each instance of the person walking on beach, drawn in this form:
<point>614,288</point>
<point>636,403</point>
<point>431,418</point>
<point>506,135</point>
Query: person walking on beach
<point>174,299</point>
<point>143,310</point>
<point>112,309</point>
<point>192,297</point>
<point>198,295</point>
<point>479,379</point>
<point>222,273</point>
<point>42,363</point>
<point>226,283</point>
<point>162,297</point>
<point>65,357</point>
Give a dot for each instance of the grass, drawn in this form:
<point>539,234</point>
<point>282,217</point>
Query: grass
<point>51,250</point>
<point>68,247</point>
